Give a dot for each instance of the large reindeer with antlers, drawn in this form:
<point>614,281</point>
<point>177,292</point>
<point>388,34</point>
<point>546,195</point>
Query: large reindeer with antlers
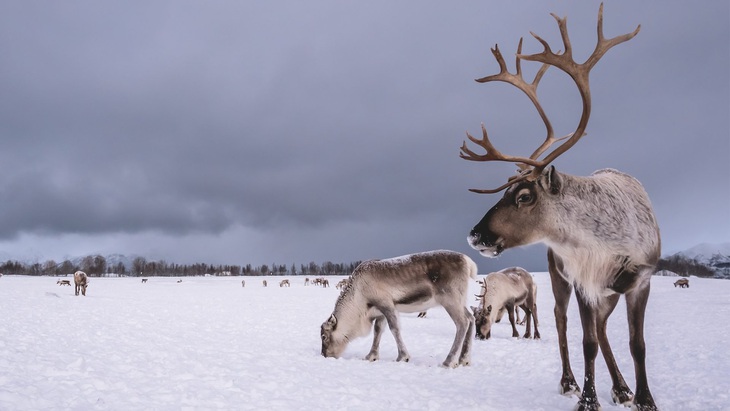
<point>601,232</point>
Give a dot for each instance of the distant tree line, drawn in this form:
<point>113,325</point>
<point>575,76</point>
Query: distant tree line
<point>685,266</point>
<point>96,266</point>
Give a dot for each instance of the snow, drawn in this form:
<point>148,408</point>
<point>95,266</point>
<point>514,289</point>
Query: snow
<point>208,343</point>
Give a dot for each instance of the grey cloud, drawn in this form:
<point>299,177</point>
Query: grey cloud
<point>187,119</point>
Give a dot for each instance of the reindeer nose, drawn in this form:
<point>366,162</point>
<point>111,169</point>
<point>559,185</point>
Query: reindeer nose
<point>474,237</point>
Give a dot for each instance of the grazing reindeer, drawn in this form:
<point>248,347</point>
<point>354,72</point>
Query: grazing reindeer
<point>379,289</point>
<point>505,290</point>
<point>64,282</point>
<point>284,283</point>
<point>81,281</point>
<point>144,280</point>
<point>682,283</point>
<point>601,232</point>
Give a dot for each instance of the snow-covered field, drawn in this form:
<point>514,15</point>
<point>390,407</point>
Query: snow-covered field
<point>208,343</point>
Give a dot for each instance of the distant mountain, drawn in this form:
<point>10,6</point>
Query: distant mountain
<point>716,257</point>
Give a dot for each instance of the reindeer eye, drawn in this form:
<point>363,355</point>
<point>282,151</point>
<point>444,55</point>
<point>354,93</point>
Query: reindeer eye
<point>524,198</point>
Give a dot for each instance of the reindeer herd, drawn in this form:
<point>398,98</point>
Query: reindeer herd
<point>602,237</point>
<point>601,232</point>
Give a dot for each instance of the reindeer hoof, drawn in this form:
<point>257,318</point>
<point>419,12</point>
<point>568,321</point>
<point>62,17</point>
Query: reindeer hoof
<point>569,388</point>
<point>622,396</point>
<point>591,405</point>
<point>372,357</point>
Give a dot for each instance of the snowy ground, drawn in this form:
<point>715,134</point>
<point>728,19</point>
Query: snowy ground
<point>208,343</point>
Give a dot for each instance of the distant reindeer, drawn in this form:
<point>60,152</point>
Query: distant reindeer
<point>144,280</point>
<point>601,232</point>
<point>306,281</point>
<point>179,281</point>
<point>243,283</point>
<point>64,282</point>
<point>266,284</point>
<point>682,283</point>
<point>505,290</point>
<point>342,283</point>
<point>81,281</point>
<point>379,289</point>
<point>284,283</point>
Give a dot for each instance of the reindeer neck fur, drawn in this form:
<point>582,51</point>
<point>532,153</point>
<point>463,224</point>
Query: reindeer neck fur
<point>598,221</point>
<point>353,315</point>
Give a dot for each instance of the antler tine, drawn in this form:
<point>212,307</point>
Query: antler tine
<point>565,62</point>
<point>578,72</point>
<point>530,89</point>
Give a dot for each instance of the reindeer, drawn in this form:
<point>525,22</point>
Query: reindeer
<point>81,281</point>
<point>682,283</point>
<point>284,283</point>
<point>505,290</point>
<point>266,284</point>
<point>601,232</point>
<point>243,283</point>
<point>306,281</point>
<point>64,282</point>
<point>144,280</point>
<point>379,289</point>
<point>342,283</point>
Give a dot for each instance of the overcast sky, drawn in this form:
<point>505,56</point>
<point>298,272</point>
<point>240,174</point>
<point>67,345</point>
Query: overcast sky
<point>288,131</point>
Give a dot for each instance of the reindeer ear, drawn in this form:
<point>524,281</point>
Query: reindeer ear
<point>554,182</point>
<point>332,321</point>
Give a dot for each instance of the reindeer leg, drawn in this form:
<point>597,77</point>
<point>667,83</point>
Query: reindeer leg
<point>517,315</point>
<point>465,357</point>
<point>533,312</point>
<point>528,321</point>
<point>464,324</point>
<point>373,355</point>
<point>511,315</point>
<point>636,306</point>
<point>588,314</point>
<point>392,317</point>
<point>561,291</point>
<point>620,392</point>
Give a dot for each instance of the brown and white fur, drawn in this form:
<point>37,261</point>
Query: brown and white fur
<point>81,281</point>
<point>63,282</point>
<point>379,289</point>
<point>603,241</point>
<point>505,290</point>
<point>682,283</point>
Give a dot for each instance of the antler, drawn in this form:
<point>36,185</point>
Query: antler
<point>531,167</point>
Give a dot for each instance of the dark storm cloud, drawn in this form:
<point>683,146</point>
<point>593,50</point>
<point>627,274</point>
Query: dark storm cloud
<point>299,118</point>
